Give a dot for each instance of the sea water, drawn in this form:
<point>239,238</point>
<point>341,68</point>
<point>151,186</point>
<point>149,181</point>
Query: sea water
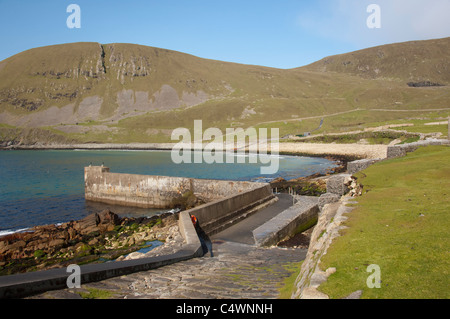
<point>47,187</point>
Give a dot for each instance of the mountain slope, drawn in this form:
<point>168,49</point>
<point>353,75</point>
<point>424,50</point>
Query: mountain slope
<point>415,61</point>
<point>91,92</point>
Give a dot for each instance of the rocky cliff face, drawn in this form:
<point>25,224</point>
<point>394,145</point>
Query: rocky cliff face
<point>34,78</point>
<point>72,83</point>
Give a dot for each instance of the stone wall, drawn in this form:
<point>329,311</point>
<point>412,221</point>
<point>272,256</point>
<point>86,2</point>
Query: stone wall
<point>221,214</point>
<point>326,230</point>
<point>402,150</point>
<point>357,166</point>
<point>132,190</point>
<point>154,191</point>
<point>226,201</point>
<point>295,219</point>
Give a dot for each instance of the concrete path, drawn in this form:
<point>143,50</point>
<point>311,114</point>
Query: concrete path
<point>238,269</point>
<point>242,232</point>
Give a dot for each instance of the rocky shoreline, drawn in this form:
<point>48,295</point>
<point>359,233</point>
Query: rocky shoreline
<point>99,237</point>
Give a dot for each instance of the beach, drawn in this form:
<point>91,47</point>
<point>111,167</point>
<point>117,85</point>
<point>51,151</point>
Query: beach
<point>311,149</point>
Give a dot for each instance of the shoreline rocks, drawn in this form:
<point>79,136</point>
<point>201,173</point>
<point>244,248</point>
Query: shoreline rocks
<point>98,237</point>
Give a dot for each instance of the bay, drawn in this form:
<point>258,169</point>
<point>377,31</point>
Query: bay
<point>47,187</point>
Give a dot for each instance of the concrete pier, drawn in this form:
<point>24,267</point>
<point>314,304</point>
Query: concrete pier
<point>149,191</point>
<point>226,201</point>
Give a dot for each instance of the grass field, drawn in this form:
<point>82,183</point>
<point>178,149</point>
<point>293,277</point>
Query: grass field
<point>359,120</point>
<point>400,223</point>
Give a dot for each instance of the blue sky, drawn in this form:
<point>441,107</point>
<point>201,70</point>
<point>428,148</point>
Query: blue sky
<point>282,34</point>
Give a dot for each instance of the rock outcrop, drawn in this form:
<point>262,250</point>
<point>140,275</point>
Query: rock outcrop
<point>103,236</point>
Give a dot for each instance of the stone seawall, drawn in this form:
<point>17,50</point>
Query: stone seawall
<point>226,202</point>
<point>154,191</point>
<point>132,190</point>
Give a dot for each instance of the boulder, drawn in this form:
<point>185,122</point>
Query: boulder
<point>107,221</point>
<point>108,217</point>
<point>93,242</point>
<point>88,224</point>
<point>97,222</point>
<point>73,234</point>
<point>56,243</point>
<point>328,198</point>
<point>338,184</point>
<point>3,247</point>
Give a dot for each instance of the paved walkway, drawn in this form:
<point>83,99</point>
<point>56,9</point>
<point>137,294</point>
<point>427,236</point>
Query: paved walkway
<point>238,270</point>
<point>242,232</point>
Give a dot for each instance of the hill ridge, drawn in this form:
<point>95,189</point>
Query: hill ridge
<point>379,61</point>
<point>118,92</point>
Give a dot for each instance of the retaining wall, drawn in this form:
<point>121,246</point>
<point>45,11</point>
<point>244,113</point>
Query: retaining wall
<point>293,220</point>
<point>402,150</point>
<point>221,214</point>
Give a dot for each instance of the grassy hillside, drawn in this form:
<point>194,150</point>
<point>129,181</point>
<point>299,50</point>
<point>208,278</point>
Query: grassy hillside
<point>401,224</point>
<point>91,92</point>
<point>409,61</point>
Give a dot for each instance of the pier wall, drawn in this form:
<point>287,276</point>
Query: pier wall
<point>148,191</point>
<point>226,201</point>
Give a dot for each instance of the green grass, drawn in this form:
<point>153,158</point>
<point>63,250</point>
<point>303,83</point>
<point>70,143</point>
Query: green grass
<point>400,61</point>
<point>422,128</point>
<point>289,282</point>
<point>371,138</point>
<point>401,224</point>
<point>360,119</point>
<point>93,293</point>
